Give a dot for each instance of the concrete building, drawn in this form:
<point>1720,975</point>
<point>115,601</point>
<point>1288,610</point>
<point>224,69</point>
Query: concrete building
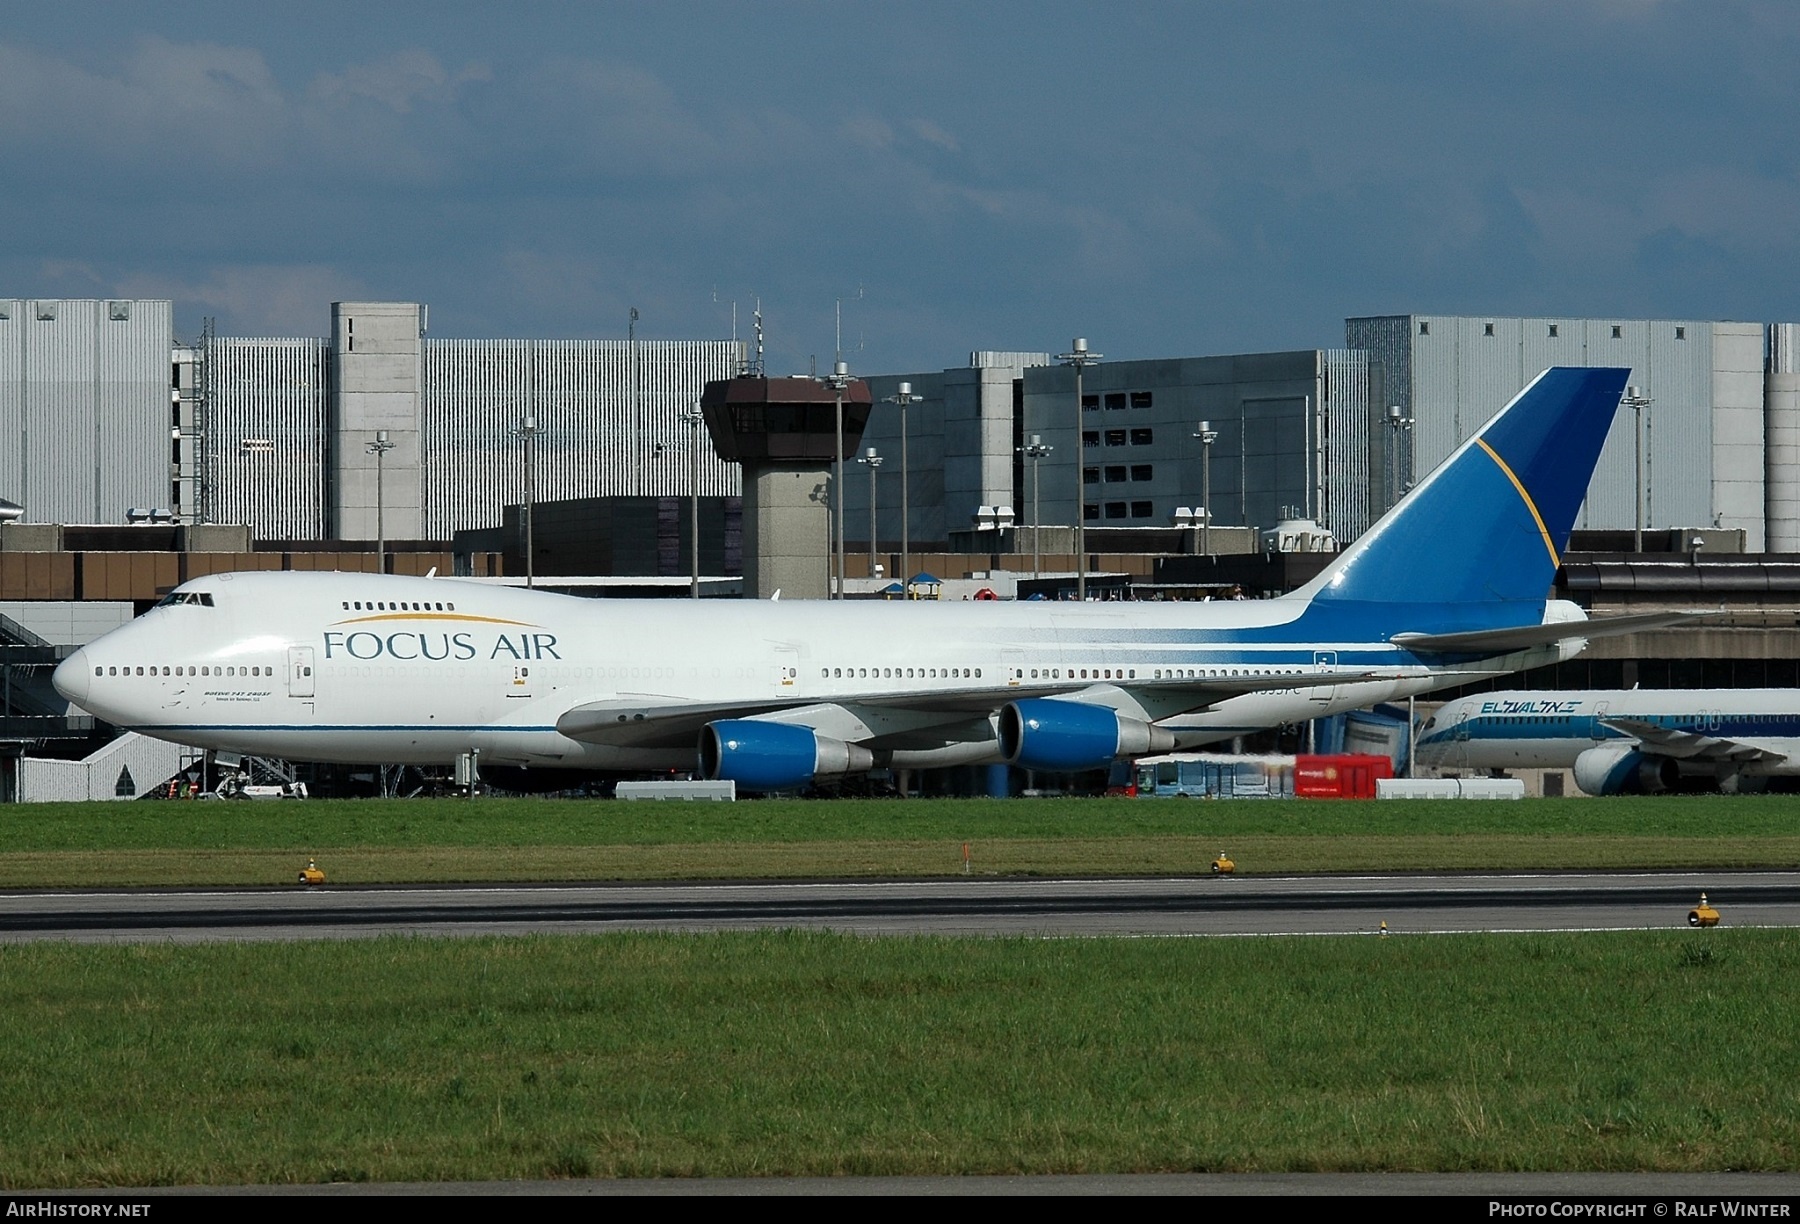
<point>376,438</point>
<point>961,428</point>
<point>1295,437</point>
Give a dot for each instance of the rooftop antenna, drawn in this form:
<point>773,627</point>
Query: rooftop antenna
<point>756,370</point>
<point>839,356</point>
<point>733,313</point>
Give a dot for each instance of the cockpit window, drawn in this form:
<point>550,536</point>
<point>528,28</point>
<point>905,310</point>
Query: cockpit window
<point>203,598</point>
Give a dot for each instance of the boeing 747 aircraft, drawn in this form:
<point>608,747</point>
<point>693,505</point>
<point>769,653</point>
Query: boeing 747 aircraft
<point>1624,741</point>
<point>1450,584</point>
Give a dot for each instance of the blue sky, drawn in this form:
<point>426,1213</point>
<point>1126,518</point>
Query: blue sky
<point>1165,179</point>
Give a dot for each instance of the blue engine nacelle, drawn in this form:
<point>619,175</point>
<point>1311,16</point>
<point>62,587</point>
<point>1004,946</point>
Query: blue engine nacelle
<point>1624,769</point>
<point>1043,733</point>
<point>774,756</point>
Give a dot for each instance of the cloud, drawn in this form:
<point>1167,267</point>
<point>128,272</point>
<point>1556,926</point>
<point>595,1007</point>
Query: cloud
<point>867,131</point>
<point>932,134</point>
<point>213,101</point>
<point>398,82</point>
<point>63,273</point>
<point>257,299</point>
<point>598,118</point>
<point>182,111</point>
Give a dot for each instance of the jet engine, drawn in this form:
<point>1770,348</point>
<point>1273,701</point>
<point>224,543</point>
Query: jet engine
<point>774,756</point>
<point>1624,769</point>
<point>1043,733</point>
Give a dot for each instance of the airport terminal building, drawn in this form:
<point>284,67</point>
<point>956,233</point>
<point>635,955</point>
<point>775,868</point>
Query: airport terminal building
<point>113,417</point>
<point>1337,435</point>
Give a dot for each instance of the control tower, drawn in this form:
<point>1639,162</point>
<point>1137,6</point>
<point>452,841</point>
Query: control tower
<point>781,430</point>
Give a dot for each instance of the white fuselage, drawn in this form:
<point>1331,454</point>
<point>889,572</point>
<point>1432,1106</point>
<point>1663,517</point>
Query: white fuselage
<point>355,668</point>
<point>1550,730</point>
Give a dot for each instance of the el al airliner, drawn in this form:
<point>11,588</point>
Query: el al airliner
<point>1637,741</point>
<point>1450,585</point>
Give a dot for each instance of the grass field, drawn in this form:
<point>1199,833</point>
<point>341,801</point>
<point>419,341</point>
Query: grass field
<point>145,843</point>
<point>798,1053</point>
<point>806,1053</point>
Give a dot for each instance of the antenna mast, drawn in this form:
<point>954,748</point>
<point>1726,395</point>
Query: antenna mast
<point>756,367</point>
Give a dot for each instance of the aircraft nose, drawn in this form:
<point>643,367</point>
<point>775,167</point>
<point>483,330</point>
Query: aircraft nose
<point>71,677</point>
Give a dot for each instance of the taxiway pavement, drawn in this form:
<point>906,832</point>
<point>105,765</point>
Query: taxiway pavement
<point>1218,905</point>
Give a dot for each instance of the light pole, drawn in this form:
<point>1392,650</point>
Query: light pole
<point>696,420</point>
<point>1079,357</point>
<point>840,378</point>
<point>902,398</point>
<point>874,461</point>
<point>379,448</point>
<point>1035,450</point>
<point>528,431</point>
<point>1637,402</point>
<point>1207,435</point>
<point>1396,423</point>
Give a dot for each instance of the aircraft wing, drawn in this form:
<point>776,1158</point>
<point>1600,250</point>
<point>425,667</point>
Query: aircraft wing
<point>1691,745</point>
<point>1501,641</point>
<point>651,721</point>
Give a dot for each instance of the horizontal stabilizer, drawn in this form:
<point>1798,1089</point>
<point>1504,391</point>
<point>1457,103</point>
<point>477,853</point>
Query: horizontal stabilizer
<point>1523,637</point>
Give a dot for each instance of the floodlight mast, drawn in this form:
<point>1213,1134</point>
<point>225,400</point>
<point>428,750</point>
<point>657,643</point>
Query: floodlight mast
<point>874,461</point>
<point>901,398</point>
<point>696,421</point>
<point>1635,400</point>
<point>839,379</point>
<point>1035,450</point>
<point>379,448</point>
<point>1207,436</point>
<point>1079,357</point>
<point>1397,423</point>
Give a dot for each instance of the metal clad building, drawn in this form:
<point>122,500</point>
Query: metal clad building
<point>1781,400</point>
<point>266,427</point>
<point>267,441</point>
<point>608,417</point>
<point>84,407</point>
<point>1450,374</point>
<point>1351,451</point>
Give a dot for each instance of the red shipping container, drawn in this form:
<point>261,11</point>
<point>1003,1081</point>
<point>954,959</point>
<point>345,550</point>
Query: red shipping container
<point>1345,776</point>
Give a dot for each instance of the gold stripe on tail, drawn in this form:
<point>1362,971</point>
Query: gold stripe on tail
<point>1549,546</point>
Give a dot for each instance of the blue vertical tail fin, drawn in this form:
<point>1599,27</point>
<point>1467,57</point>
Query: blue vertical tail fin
<point>1477,543</point>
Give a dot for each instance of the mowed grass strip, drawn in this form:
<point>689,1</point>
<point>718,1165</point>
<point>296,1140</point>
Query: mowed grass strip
<point>805,1053</point>
<point>1142,855</point>
<point>288,825</point>
<point>410,841</point>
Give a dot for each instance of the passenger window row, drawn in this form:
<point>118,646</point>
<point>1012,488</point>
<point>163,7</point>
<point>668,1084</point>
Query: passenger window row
<point>185,671</point>
<point>899,673</point>
<point>389,605</point>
